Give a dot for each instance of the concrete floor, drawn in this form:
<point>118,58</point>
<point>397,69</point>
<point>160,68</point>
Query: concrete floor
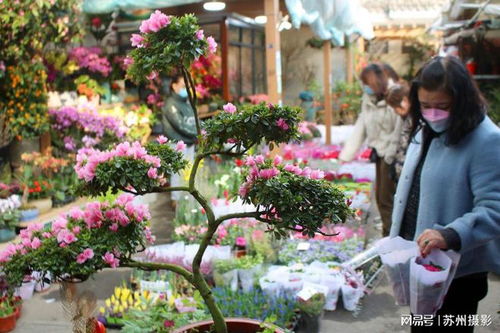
<point>44,313</point>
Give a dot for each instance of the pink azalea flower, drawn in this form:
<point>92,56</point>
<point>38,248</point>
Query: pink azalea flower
<point>151,76</point>
<point>46,235</point>
<point>59,224</point>
<point>76,213</point>
<point>212,45</point>
<point>180,146</point>
<point>307,172</point>
<point>199,34</point>
<point>268,173</point>
<point>297,170</point>
<point>109,258</point>
<point>229,108</point>
<point>153,173</point>
<point>137,40</point>
<point>231,140</point>
<point>317,174</point>
<point>124,199</point>
<point>241,241</point>
<point>65,236</point>
<point>35,227</point>
<point>277,160</point>
<point>281,123</point>
<point>162,139</point>
<point>85,255</point>
<point>156,21</point>
<point>222,232</point>
<point>149,237</point>
<point>113,227</point>
<point>243,190</point>
<point>76,230</point>
<point>289,167</point>
<point>259,159</point>
<point>249,161</point>
<point>127,61</point>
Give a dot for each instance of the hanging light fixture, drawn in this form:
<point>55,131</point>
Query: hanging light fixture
<point>214,5</point>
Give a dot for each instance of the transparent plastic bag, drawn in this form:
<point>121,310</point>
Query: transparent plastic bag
<point>351,296</point>
<point>396,254</point>
<point>428,287</point>
<point>334,284</point>
<point>228,279</point>
<point>247,277</point>
<point>270,287</point>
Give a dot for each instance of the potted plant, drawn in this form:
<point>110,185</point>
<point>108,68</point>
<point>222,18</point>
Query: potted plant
<point>226,274</point>
<point>311,312</point>
<point>9,219</point>
<point>248,269</point>
<point>8,314</point>
<point>106,235</point>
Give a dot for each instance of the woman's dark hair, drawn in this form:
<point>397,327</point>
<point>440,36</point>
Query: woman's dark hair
<point>449,75</point>
<point>390,72</point>
<point>381,79</point>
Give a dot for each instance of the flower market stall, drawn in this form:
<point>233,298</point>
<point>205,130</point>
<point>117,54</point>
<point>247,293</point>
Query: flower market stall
<point>253,225</point>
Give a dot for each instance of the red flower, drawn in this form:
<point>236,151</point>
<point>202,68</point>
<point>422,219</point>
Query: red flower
<point>96,22</point>
<point>168,323</point>
<point>239,163</point>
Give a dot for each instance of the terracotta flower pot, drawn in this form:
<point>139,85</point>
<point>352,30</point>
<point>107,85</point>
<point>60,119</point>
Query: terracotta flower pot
<point>18,311</point>
<point>8,323</point>
<point>43,205</point>
<point>234,325</point>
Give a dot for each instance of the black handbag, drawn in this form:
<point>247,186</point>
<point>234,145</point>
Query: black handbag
<point>373,156</point>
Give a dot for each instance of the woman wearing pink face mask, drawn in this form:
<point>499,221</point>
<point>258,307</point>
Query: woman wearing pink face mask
<point>448,195</point>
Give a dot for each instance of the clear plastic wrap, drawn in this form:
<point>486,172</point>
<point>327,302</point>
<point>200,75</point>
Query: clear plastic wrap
<point>430,278</point>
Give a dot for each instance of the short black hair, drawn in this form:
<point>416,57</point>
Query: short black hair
<point>449,75</point>
<point>175,79</point>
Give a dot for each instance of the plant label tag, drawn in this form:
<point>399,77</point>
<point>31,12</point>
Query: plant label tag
<point>303,246</point>
<point>306,293</point>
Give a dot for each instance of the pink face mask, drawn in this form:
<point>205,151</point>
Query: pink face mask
<point>433,115</point>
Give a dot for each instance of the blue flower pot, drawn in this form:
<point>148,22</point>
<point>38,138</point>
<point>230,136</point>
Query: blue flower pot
<point>29,214</point>
<point>6,235</point>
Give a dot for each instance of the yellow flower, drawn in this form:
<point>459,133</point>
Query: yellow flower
<point>118,291</point>
<point>113,299</point>
<point>102,310</point>
<point>108,303</point>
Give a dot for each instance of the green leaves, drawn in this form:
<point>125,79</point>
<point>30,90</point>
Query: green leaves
<point>167,49</point>
<point>250,125</point>
<point>297,202</point>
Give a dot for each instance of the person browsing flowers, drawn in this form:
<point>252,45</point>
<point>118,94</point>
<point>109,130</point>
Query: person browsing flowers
<point>448,195</point>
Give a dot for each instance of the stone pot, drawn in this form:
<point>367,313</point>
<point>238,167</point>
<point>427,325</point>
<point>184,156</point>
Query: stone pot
<point>43,205</point>
<point>6,235</point>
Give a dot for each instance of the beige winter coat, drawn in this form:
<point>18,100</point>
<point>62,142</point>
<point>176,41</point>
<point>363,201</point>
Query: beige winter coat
<point>379,125</point>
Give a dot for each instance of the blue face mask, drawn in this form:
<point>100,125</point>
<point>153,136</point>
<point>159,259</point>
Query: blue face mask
<point>368,90</point>
<point>183,93</point>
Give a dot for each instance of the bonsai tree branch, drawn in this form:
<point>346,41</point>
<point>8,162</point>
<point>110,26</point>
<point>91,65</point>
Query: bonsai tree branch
<point>191,90</point>
<point>223,218</point>
<point>157,266</point>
